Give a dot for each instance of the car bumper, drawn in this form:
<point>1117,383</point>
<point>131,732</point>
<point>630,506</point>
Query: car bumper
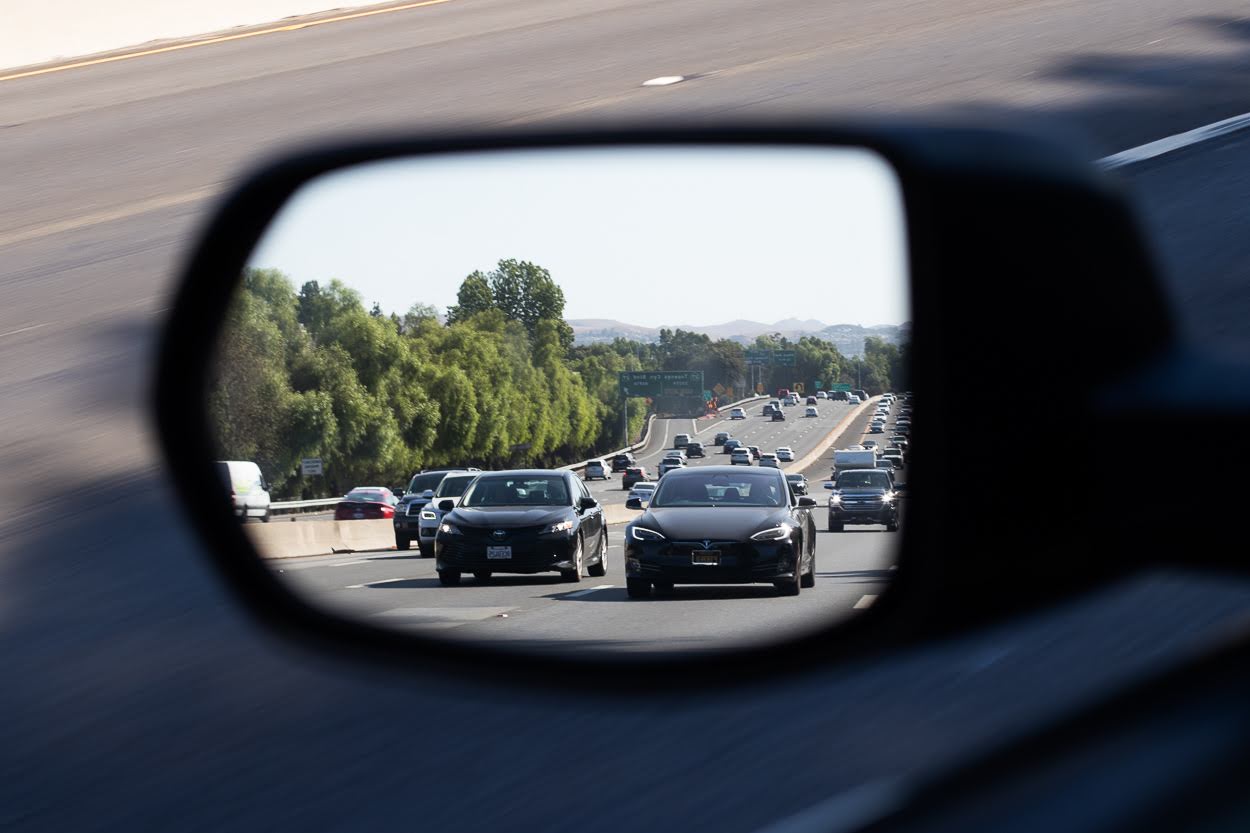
<point>530,554</point>
<point>740,563</point>
<point>884,515</point>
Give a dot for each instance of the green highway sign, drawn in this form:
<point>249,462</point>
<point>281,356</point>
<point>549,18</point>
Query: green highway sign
<point>758,357</point>
<point>817,384</point>
<point>661,383</point>
<point>785,358</point>
<point>839,386</point>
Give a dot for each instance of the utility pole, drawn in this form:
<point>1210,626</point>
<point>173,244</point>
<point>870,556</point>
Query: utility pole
<point>624,421</point>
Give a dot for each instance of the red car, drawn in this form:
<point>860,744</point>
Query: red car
<point>366,503</point>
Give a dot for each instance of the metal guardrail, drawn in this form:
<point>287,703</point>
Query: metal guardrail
<point>296,505</point>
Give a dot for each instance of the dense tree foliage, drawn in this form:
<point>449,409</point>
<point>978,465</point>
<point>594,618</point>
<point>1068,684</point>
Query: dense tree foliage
<point>314,373</point>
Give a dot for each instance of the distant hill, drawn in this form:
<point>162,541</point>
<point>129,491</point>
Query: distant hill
<point>849,338</point>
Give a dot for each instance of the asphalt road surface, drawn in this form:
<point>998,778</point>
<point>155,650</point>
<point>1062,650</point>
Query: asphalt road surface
<point>543,613</point>
<point>137,693</point>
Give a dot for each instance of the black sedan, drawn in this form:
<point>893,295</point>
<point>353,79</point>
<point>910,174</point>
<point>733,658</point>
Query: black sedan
<point>529,521</point>
<point>721,525</point>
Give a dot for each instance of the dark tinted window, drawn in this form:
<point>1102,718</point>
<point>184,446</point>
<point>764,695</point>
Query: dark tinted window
<point>453,485</point>
<point>508,490</point>
<point>863,480</point>
<point>698,489</point>
<point>426,480</point>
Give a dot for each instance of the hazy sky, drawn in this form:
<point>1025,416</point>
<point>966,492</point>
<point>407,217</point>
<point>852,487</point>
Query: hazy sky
<point>646,236</point>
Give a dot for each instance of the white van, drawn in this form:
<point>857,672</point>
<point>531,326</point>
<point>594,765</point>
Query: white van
<point>248,490</point>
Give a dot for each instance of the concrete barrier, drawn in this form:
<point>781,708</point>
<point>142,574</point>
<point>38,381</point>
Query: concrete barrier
<point>291,540</point>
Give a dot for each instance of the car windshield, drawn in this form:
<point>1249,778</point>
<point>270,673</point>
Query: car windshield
<point>517,490</point>
<point>369,495</point>
<point>700,489</point>
<point>426,481</point>
<point>863,480</point>
<point>794,478</point>
<point>454,485</point>
<point>644,487</point>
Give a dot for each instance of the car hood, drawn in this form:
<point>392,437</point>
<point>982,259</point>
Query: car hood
<point>508,517</point>
<point>689,523</point>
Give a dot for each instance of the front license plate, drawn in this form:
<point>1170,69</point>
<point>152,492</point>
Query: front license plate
<point>707,557</point>
<point>498,552</point>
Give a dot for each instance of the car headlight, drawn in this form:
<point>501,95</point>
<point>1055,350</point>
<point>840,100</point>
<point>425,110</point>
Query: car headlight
<point>641,533</point>
<point>448,529</point>
<point>563,526</point>
<point>776,533</point>
<point>834,500</point>
<point>427,515</point>
<point>888,497</point>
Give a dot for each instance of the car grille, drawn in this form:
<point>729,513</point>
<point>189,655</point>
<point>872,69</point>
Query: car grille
<point>414,509</point>
<point>862,503</point>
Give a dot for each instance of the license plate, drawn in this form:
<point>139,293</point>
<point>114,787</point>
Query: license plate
<point>359,515</point>
<point>706,557</point>
<point>498,552</point>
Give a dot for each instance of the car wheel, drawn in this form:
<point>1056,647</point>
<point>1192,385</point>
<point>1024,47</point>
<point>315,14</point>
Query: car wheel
<point>809,579</point>
<point>834,526</point>
<point>482,575</point>
<point>264,518</point>
<point>893,527</point>
<point>600,567</point>
<point>638,588</point>
<point>575,574</point>
<point>449,578</point>
<point>790,587</point>
<point>402,542</point>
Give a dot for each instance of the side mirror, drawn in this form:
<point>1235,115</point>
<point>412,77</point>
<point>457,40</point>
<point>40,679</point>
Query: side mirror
<point>587,503</point>
<point>633,503</point>
<point>446,505</point>
<point>427,494</point>
<point>807,501</point>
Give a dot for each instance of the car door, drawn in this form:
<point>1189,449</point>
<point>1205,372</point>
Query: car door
<point>592,519</point>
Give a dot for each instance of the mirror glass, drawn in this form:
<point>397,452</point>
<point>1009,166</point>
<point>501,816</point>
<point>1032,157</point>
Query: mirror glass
<point>503,335</point>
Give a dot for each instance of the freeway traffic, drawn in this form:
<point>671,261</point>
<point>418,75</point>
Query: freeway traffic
<point>542,612</point>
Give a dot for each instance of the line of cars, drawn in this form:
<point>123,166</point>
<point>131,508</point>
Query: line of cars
<point>864,486</point>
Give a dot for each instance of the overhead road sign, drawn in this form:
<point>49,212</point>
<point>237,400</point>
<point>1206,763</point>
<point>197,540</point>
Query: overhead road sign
<point>661,383</point>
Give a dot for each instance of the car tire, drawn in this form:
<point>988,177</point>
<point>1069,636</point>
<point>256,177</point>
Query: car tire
<point>892,527</point>
<point>834,526</point>
<point>579,555</point>
<point>600,568</point>
<point>790,587</point>
<point>638,588</point>
<point>402,542</point>
<point>809,578</point>
<point>449,578</point>
<point>482,575</point>
<point>264,518</point>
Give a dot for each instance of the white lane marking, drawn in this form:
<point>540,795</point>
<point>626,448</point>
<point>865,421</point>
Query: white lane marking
<point>865,601</point>
<point>588,591</point>
<point>1169,144</point>
<point>24,329</point>
<point>350,563</point>
<point>664,81</point>
<point>380,581</point>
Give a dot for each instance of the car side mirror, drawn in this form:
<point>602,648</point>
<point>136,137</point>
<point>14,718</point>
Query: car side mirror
<point>427,494</point>
<point>807,501</point>
<point>633,503</point>
<point>587,503</point>
<point>446,505</point>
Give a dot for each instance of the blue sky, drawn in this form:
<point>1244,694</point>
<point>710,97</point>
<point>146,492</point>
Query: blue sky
<point>647,236</point>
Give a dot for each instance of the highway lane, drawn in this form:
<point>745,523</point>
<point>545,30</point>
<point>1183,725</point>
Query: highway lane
<point>125,649</point>
<point>542,612</point>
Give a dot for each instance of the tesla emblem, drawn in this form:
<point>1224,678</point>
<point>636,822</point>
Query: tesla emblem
<point>707,545</point>
<point>499,534</point>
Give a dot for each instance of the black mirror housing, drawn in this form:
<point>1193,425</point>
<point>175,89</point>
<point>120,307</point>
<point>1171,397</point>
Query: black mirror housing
<point>633,503</point>
<point>446,505</point>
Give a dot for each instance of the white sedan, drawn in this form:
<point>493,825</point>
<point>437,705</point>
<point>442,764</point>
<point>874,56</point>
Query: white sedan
<point>642,491</point>
<point>737,413</point>
<point>785,454</point>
